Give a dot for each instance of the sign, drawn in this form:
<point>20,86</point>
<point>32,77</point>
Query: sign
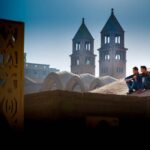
<point>12,71</point>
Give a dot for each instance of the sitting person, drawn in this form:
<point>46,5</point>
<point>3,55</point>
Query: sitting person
<point>145,77</point>
<point>134,82</point>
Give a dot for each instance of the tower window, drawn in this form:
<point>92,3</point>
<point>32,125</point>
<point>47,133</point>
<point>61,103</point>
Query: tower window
<point>78,46</point>
<point>88,46</point>
<point>120,70</point>
<point>107,57</point>
<point>78,62</point>
<point>88,61</point>
<point>107,39</point>
<point>117,39</point>
<point>118,57</point>
<point>104,70</point>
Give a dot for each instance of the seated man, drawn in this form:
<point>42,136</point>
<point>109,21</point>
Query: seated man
<point>134,82</point>
<point>145,77</point>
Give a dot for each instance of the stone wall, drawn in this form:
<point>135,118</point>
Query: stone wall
<point>59,104</point>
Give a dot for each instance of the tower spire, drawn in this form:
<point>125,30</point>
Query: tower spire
<point>83,20</point>
<point>112,11</point>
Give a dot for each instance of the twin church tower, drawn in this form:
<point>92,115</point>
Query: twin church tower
<point>112,54</point>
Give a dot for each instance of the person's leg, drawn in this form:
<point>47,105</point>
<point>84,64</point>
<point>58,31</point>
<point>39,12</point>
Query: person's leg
<point>134,86</point>
<point>129,84</point>
<point>130,87</point>
<point>139,83</point>
<point>146,83</point>
<point>138,87</point>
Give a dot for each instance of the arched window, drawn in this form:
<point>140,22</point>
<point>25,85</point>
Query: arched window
<point>77,62</point>
<point>107,57</point>
<point>78,46</point>
<point>88,46</point>
<point>120,70</point>
<point>118,57</point>
<point>117,40</point>
<point>104,70</point>
<point>88,62</point>
<point>107,39</point>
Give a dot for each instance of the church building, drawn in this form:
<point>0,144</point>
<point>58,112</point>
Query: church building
<point>82,57</point>
<point>112,54</point>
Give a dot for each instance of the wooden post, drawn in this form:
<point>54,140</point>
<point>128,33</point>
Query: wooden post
<point>12,72</point>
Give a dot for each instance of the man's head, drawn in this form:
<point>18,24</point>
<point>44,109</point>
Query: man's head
<point>143,69</point>
<point>135,70</point>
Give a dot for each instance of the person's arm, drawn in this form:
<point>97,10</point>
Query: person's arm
<point>129,78</point>
<point>139,77</point>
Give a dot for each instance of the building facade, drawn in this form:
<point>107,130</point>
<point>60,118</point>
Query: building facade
<point>112,54</point>
<point>36,71</point>
<point>82,57</point>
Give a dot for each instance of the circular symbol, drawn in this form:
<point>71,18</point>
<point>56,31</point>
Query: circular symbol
<point>10,107</point>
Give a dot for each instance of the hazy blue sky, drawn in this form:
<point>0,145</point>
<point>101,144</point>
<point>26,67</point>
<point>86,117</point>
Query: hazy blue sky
<point>51,24</point>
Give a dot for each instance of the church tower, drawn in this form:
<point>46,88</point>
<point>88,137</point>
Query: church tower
<point>112,54</point>
<point>82,57</point>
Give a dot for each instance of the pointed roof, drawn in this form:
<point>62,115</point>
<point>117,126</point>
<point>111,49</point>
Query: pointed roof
<point>112,25</point>
<point>83,32</point>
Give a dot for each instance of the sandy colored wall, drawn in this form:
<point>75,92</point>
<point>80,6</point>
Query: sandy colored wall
<point>58,104</point>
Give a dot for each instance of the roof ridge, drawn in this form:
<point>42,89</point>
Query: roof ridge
<point>112,24</point>
<point>83,31</point>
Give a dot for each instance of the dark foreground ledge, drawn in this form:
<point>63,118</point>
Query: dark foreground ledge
<point>61,104</point>
<point>61,115</point>
<point>71,112</point>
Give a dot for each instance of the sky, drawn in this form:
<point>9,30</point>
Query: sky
<point>51,24</point>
